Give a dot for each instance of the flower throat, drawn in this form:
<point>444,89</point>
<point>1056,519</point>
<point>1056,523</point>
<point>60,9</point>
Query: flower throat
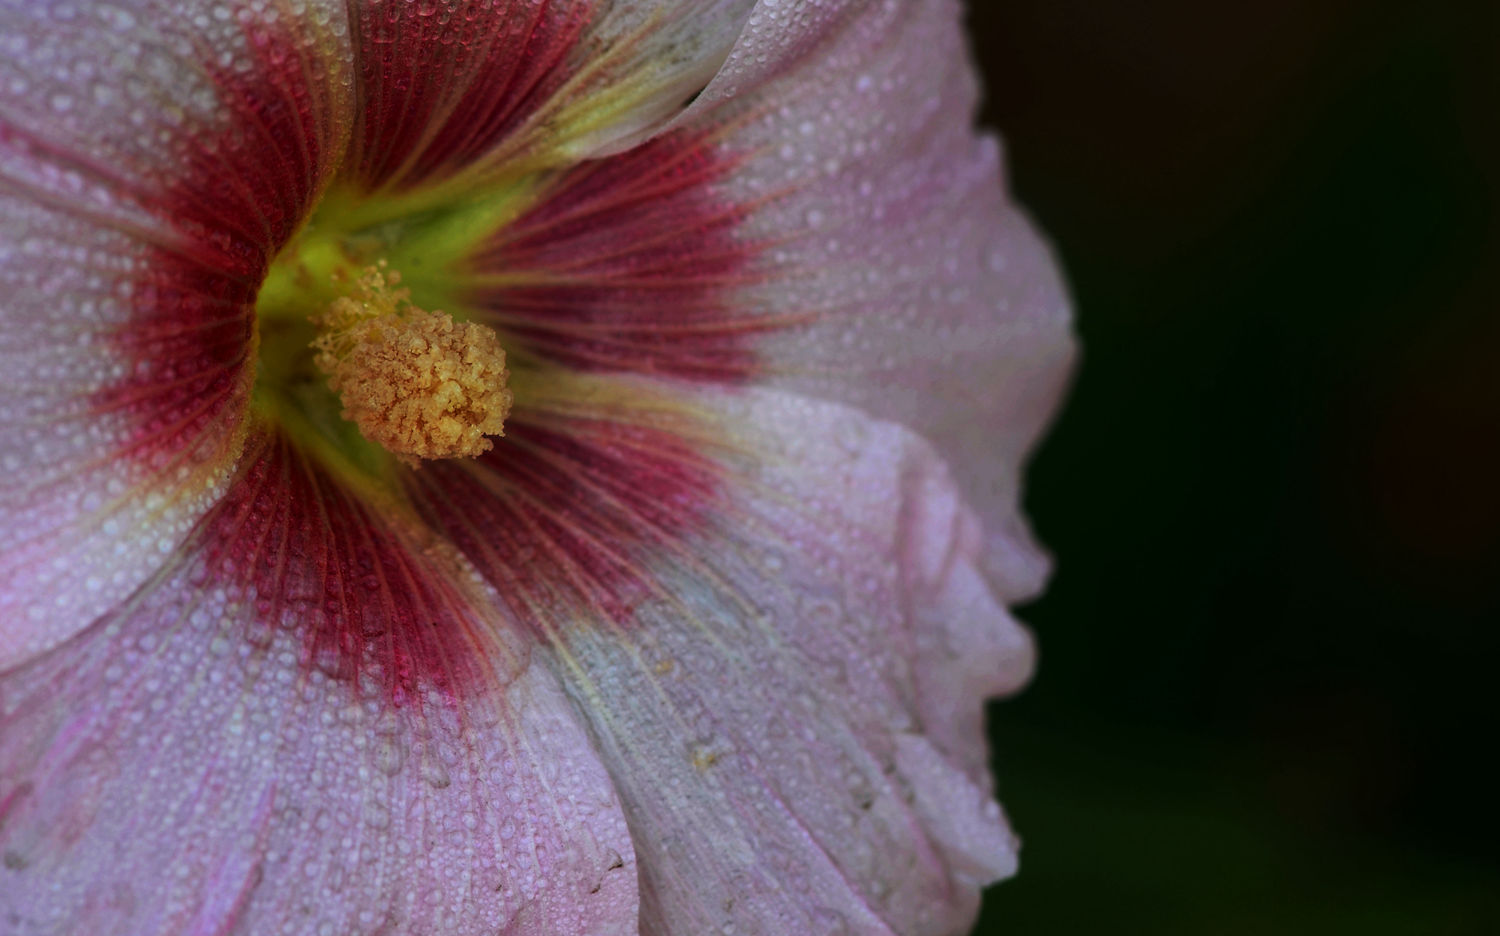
<point>415,382</point>
<point>355,369</point>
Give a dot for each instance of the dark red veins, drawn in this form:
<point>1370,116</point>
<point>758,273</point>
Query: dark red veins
<point>570,519</point>
<point>629,264</point>
<point>245,190</point>
<point>325,566</point>
<point>442,81</point>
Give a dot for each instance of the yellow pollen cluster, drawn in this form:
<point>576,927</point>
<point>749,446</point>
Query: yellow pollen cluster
<point>415,382</point>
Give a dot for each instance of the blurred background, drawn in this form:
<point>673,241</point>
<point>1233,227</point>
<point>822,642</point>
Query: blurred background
<point>1267,692</point>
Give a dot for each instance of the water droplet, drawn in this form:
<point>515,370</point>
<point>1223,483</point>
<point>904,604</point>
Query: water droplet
<point>377,816</point>
<point>390,755</point>
<point>435,773</point>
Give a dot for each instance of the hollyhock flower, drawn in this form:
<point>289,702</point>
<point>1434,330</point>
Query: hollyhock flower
<point>507,466</point>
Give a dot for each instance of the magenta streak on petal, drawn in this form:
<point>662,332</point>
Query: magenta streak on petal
<point>231,884</point>
<point>626,264</point>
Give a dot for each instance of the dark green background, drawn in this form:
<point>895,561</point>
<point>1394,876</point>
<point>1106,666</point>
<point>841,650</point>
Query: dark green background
<point>1266,698</point>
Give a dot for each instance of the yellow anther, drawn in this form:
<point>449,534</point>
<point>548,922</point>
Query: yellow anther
<point>415,382</point>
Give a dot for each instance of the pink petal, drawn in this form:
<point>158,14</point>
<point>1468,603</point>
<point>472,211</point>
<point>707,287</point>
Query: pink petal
<point>211,759</point>
<point>768,610</point>
<point>146,178</point>
<point>793,716</point>
<point>916,290</point>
